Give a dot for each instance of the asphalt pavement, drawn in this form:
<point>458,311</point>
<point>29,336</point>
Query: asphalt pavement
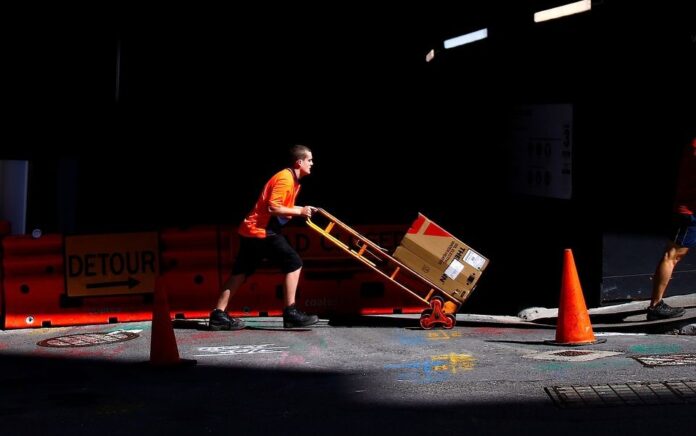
<point>365,376</point>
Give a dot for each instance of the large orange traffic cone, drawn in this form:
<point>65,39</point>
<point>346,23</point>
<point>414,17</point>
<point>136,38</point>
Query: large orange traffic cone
<point>573,326</point>
<point>163,348</point>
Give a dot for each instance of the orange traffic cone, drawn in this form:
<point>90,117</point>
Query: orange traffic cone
<point>163,348</point>
<point>573,326</point>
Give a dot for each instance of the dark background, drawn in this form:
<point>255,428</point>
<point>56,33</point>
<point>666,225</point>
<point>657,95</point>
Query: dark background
<point>203,103</point>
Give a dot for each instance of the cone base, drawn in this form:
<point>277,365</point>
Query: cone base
<point>575,344</point>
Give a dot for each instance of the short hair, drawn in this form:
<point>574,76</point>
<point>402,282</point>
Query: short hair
<point>298,152</point>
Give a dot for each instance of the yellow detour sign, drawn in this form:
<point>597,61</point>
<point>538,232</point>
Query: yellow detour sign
<point>125,263</point>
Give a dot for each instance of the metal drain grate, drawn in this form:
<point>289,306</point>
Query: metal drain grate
<point>87,339</point>
<point>666,359</point>
<point>624,394</point>
<point>571,353</point>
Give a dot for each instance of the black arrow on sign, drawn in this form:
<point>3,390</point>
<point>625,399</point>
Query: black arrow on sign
<point>131,283</point>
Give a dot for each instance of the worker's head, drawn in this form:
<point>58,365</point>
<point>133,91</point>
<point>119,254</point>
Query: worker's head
<point>301,158</point>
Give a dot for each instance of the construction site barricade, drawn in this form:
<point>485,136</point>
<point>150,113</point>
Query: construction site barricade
<point>195,262</point>
<point>191,260</point>
<point>35,293</point>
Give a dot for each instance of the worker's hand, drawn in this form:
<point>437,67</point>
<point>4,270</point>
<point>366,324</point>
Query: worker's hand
<point>307,211</point>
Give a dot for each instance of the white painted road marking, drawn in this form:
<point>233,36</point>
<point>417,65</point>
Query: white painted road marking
<point>239,349</point>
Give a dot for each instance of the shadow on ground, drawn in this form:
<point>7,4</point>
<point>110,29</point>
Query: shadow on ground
<point>43,395</point>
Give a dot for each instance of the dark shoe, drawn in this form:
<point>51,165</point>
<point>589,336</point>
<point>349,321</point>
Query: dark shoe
<point>220,320</point>
<point>663,310</point>
<point>296,318</point>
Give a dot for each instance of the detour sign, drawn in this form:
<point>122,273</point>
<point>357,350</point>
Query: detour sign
<point>125,263</point>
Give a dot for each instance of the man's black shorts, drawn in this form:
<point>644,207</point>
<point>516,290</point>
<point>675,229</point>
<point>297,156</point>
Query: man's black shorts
<point>252,252</point>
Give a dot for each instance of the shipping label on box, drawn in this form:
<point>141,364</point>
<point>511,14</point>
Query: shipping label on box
<point>457,285</point>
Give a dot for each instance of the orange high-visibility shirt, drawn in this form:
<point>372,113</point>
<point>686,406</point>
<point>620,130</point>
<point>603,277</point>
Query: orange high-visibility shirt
<point>280,190</point>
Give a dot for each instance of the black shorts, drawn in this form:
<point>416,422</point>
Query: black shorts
<point>275,248</point>
<point>684,230</point>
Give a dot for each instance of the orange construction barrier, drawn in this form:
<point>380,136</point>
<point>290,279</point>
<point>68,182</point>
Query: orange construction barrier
<point>163,348</point>
<point>573,326</point>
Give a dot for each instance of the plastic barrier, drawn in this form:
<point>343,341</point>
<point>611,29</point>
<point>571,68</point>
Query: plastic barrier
<point>352,292</point>
<point>195,262</point>
<point>32,279</point>
<point>191,267</point>
<point>34,289</point>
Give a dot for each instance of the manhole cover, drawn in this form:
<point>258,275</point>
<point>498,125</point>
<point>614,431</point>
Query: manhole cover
<point>87,339</point>
<point>666,359</point>
<point>624,394</point>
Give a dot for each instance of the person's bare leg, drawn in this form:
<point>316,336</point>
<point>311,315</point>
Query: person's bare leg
<point>291,281</point>
<point>663,273</point>
<point>229,289</point>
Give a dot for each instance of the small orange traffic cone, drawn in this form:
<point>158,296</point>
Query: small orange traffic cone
<point>573,326</point>
<point>163,348</point>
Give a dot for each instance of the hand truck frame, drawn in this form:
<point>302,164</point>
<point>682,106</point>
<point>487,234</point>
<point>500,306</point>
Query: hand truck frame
<point>442,307</point>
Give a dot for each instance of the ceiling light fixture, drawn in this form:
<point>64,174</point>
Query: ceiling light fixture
<point>562,11</point>
<point>466,38</point>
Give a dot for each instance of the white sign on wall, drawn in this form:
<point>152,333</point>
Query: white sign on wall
<point>541,150</point>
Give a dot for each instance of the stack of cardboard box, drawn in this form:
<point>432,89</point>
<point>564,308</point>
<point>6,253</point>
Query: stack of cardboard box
<point>445,261</point>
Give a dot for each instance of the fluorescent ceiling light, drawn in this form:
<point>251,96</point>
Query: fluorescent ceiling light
<point>562,11</point>
<point>466,39</point>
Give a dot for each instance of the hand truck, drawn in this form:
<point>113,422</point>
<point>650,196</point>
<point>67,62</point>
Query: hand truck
<point>442,306</point>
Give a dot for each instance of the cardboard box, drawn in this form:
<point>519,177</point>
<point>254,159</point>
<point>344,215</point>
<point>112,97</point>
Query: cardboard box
<point>448,255</point>
<point>434,275</point>
<point>437,246</point>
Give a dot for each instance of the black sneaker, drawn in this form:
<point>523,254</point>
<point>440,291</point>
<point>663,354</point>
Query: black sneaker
<point>296,318</point>
<point>663,310</point>
<point>220,320</point>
